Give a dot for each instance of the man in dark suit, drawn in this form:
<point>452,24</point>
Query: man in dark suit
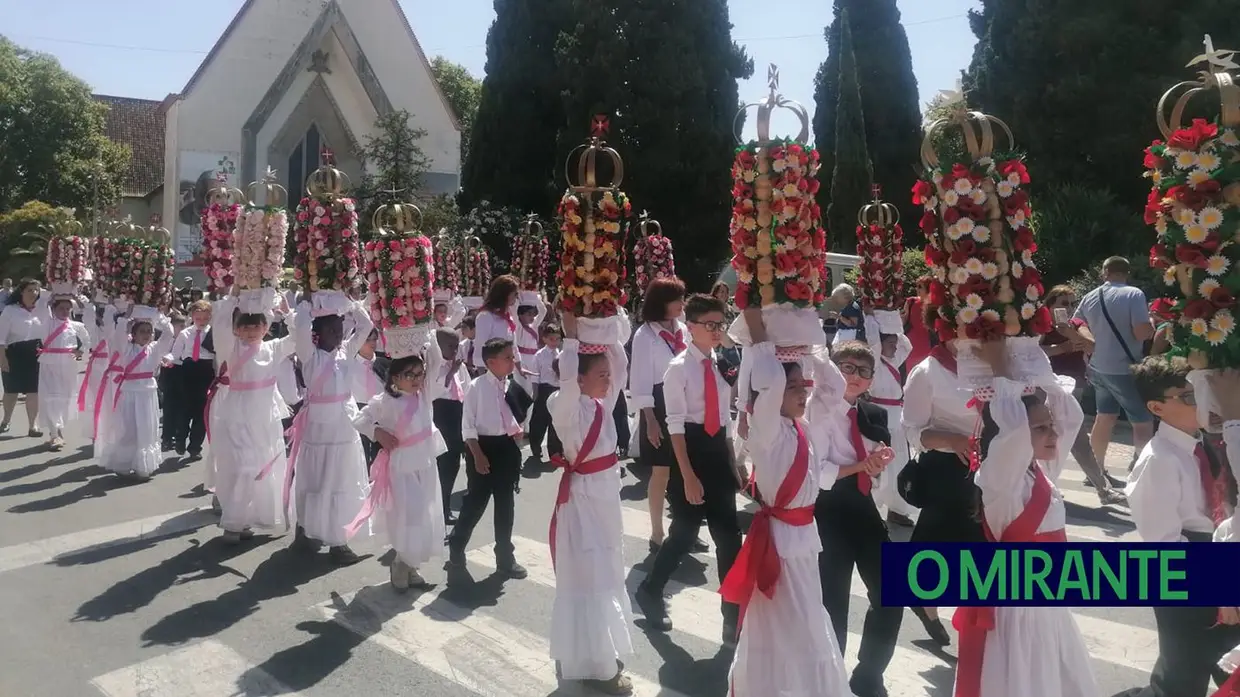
<point>849,523</point>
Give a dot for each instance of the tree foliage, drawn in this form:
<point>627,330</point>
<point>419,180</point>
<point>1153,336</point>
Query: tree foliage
<point>1078,82</point>
<point>853,175</point>
<point>888,98</point>
<point>395,165</point>
<point>463,92</point>
<point>665,74</point>
<point>513,159</point>
<point>52,141</point>
<point>22,241</point>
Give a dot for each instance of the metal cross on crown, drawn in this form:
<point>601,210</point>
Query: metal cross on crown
<point>599,126</point>
<point>326,156</point>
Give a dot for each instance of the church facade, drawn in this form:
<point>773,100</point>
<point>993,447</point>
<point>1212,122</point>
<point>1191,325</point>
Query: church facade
<point>287,79</point>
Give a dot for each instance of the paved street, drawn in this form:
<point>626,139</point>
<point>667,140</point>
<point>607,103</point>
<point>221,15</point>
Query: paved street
<point>124,590</point>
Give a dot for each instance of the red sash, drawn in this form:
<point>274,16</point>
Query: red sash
<point>675,342</point>
<point>47,343</point>
<point>757,564</point>
<point>579,466</point>
<point>895,375</point>
<point>864,483</point>
<point>507,317</point>
<point>974,622</point>
<point>525,350</point>
<point>1230,688</point>
<point>944,357</point>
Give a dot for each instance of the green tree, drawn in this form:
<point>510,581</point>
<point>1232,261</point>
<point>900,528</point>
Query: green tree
<point>1078,82</point>
<point>52,141</point>
<point>665,73</point>
<point>512,159</point>
<point>23,239</point>
<point>888,99</point>
<point>463,92</point>
<point>853,175</point>
<point>395,164</point>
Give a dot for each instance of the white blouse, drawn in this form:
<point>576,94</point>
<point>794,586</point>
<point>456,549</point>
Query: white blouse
<point>438,386</point>
<point>935,399</point>
<point>17,324</point>
<point>572,413</point>
<point>886,383</point>
<point>773,445</point>
<point>366,384</point>
<point>544,366</point>
<point>487,326</point>
<point>651,356</point>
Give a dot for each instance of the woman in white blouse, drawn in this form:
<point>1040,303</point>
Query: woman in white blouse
<point>497,319</point>
<point>23,324</point>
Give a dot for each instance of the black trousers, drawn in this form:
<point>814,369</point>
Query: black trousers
<point>620,415</point>
<point>172,406</point>
<point>1188,652</point>
<point>447,414</point>
<point>711,462</point>
<point>540,423</point>
<point>853,534</point>
<point>501,484</point>
<point>196,377</point>
<point>369,448</point>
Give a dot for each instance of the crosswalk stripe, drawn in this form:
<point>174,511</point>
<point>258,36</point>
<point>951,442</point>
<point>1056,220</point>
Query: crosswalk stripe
<point>1112,642</point>
<point>46,550</point>
<point>482,654</point>
<point>206,669</point>
<point>695,611</point>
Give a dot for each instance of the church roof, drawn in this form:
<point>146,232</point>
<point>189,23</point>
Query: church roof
<point>236,21</point>
<point>138,123</point>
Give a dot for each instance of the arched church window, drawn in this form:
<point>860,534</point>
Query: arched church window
<point>302,162</point>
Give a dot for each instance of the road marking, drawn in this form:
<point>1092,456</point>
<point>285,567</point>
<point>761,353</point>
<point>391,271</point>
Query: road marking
<point>482,654</point>
<point>1113,642</point>
<point>47,550</point>
<point>206,669</point>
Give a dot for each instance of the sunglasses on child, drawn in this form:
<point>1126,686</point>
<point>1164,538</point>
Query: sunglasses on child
<point>862,371</point>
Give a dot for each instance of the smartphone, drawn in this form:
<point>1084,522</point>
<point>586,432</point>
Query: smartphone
<point>1061,315</point>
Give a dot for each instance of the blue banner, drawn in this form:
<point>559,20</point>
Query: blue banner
<point>1069,574</point>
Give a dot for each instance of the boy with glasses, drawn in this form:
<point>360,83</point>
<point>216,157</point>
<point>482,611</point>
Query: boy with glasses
<point>851,528</point>
<point>1179,491</point>
<point>703,483</point>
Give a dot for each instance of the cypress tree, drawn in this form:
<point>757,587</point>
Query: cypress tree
<point>853,174</point>
<point>665,73</point>
<point>1078,82</point>
<point>888,98</point>
<point>512,159</point>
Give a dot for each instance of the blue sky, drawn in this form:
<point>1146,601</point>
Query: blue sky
<point>148,48</point>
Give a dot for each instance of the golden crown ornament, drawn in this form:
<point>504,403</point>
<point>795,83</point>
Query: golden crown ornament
<point>399,268</point>
<point>880,246</point>
<point>1194,207</point>
<point>594,220</point>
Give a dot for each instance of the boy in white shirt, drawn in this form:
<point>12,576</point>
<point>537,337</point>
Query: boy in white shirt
<point>545,384</point>
<point>448,381</point>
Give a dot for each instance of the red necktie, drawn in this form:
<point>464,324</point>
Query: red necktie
<point>197,344</point>
<point>449,381</point>
<point>854,434</point>
<point>712,398</point>
<point>1215,487</point>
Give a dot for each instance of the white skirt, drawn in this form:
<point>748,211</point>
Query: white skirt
<point>129,435</point>
<point>1035,652</point>
<point>591,615</point>
<point>246,434</point>
<point>58,389</point>
<point>330,484</point>
<point>97,370</point>
<point>888,491</point>
<point>787,645</point>
<point>412,522</point>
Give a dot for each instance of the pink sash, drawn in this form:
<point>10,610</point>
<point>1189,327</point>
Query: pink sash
<point>381,471</point>
<point>101,351</point>
<point>297,430</point>
<point>53,337</point>
<point>103,387</point>
<point>224,380</point>
<point>127,374</point>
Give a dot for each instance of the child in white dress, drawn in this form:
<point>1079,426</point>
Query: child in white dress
<point>1022,651</point>
<point>100,322</point>
<point>404,481</point>
<point>244,414</point>
<point>58,372</point>
<point>129,427</point>
<point>591,615</point>
<point>326,461</point>
<point>787,645</point>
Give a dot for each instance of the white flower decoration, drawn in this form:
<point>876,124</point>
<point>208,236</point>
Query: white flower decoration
<point>1169,275</point>
<point>990,315</point>
<point>965,225</point>
<point>1223,322</point>
<point>977,196</point>
<point>1217,264</point>
<point>1197,177</point>
<point>1031,292</point>
<point>973,266</point>
<point>950,197</point>
<point>1186,160</point>
<point>1195,234</point>
<point>1207,287</point>
<point>1199,327</point>
<point>974,301</point>
<point>1214,337</point>
<point>1208,160</point>
<point>981,233</point>
<point>1027,310</point>
<point>1210,218</point>
<point>1184,217</point>
<point>966,315</point>
<point>990,270</point>
<point>959,275</point>
<point>1005,188</point>
<point>962,186</point>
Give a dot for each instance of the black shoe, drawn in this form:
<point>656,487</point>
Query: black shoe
<point>654,607</point>
<point>343,556</point>
<point>179,447</point>
<point>512,569</point>
<point>934,627</point>
<point>456,560</point>
<point>449,519</point>
<point>900,519</point>
<point>165,447</point>
<point>195,455</point>
<point>867,687</point>
<point>304,543</point>
<point>700,546</point>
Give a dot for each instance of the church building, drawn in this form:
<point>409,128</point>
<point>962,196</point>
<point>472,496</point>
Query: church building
<point>286,79</point>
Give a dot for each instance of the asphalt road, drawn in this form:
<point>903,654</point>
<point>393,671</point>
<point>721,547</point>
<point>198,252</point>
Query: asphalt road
<point>125,590</point>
